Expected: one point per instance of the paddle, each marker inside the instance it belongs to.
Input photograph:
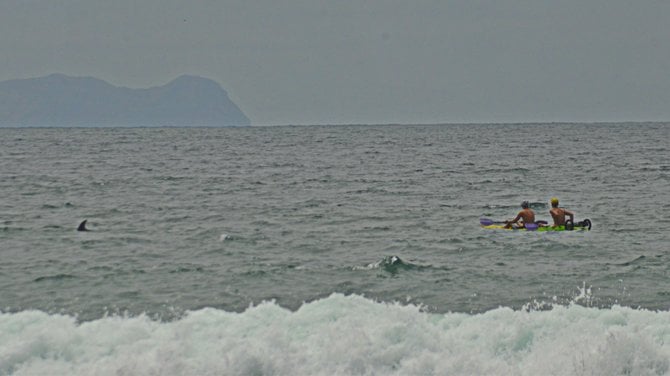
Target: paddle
(489, 222)
(528, 226)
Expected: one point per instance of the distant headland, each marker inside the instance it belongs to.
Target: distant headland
(60, 100)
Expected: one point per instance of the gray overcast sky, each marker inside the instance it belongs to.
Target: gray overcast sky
(374, 61)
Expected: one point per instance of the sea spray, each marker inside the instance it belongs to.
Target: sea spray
(341, 335)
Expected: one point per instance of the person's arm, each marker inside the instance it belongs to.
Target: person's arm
(571, 215)
(515, 220)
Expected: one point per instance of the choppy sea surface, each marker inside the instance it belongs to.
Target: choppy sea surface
(333, 250)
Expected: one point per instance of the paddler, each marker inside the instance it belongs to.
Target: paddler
(558, 214)
(526, 215)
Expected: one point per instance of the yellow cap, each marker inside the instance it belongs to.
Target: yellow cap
(554, 201)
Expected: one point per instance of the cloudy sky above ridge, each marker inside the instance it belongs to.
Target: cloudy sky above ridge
(375, 61)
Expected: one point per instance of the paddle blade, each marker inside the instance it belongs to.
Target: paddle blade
(485, 222)
(531, 226)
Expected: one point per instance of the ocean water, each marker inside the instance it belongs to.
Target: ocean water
(333, 250)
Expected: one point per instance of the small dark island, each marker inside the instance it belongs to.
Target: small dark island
(64, 101)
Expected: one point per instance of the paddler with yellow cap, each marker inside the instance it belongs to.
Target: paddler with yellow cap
(558, 214)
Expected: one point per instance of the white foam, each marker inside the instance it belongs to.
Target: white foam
(342, 335)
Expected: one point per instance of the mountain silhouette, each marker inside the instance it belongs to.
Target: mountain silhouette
(60, 100)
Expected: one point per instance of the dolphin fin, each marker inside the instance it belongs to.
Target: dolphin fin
(82, 226)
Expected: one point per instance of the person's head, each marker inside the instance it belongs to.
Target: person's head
(525, 205)
(554, 202)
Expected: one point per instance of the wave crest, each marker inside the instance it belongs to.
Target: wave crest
(341, 335)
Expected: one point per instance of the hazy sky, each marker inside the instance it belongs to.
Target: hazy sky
(374, 61)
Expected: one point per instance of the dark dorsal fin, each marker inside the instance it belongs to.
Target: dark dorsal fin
(82, 226)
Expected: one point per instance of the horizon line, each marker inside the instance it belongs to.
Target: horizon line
(472, 123)
(633, 122)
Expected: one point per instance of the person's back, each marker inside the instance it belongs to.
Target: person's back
(526, 215)
(559, 214)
